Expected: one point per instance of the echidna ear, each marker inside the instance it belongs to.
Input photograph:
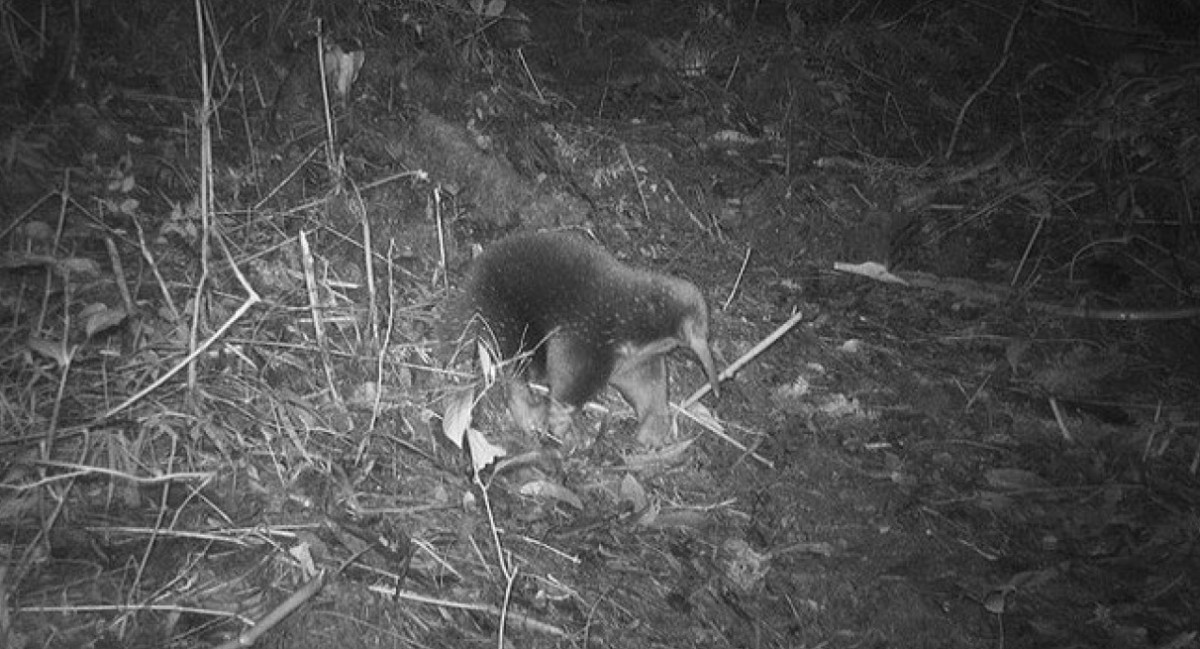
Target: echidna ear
(695, 336)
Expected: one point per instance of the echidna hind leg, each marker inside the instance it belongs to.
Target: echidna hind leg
(643, 383)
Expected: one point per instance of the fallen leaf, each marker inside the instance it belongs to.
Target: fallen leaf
(553, 490)
(1015, 479)
(631, 491)
(872, 270)
(456, 419)
(99, 318)
(483, 452)
(667, 455)
(53, 349)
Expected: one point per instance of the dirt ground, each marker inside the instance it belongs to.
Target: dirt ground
(235, 386)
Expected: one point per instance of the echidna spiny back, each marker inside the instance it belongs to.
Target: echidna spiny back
(588, 320)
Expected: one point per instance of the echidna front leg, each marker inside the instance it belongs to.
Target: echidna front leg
(643, 383)
(574, 372)
(527, 411)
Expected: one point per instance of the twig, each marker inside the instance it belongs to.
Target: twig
(738, 281)
(419, 174)
(79, 470)
(726, 438)
(487, 506)
(691, 214)
(1042, 218)
(148, 255)
(381, 353)
(508, 586)
(1060, 420)
(276, 616)
(549, 548)
(335, 167)
(39, 544)
(32, 208)
(524, 622)
(75, 609)
(529, 74)
(114, 258)
(360, 210)
(287, 179)
(250, 148)
(202, 119)
(441, 232)
(151, 544)
(737, 365)
(962, 112)
(314, 307)
(994, 294)
(64, 357)
(637, 181)
(252, 298)
(729, 372)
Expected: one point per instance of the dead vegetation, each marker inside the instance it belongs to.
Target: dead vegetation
(233, 406)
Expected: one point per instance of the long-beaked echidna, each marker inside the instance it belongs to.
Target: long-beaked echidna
(587, 320)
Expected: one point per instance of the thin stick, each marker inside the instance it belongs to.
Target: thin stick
(526, 623)
(148, 255)
(511, 579)
(79, 470)
(249, 134)
(202, 119)
(75, 609)
(728, 372)
(691, 214)
(1028, 248)
(368, 253)
(32, 208)
(725, 438)
(65, 357)
(738, 282)
(151, 544)
(487, 507)
(962, 112)
(335, 167)
(252, 298)
(529, 74)
(637, 181)
(288, 178)
(276, 616)
(314, 307)
(114, 258)
(1060, 420)
(737, 365)
(381, 354)
(441, 232)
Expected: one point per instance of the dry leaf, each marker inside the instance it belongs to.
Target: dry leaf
(303, 556)
(78, 266)
(631, 491)
(667, 455)
(483, 452)
(456, 418)
(547, 489)
(994, 602)
(1015, 479)
(100, 318)
(52, 349)
(495, 8)
(871, 270)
